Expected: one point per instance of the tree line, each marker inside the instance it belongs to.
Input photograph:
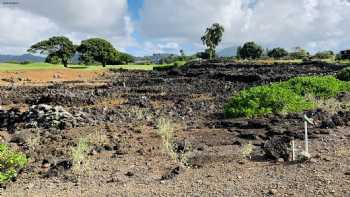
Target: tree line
(250, 50)
(61, 50)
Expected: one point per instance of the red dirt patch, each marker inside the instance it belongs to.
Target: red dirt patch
(44, 76)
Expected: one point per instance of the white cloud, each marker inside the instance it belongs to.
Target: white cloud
(20, 28)
(33, 20)
(163, 47)
(89, 16)
(315, 24)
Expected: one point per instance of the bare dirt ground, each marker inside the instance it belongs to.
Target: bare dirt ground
(31, 77)
(128, 158)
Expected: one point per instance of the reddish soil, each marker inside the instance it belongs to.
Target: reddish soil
(128, 158)
(45, 76)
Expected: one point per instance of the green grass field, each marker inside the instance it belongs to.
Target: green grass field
(41, 66)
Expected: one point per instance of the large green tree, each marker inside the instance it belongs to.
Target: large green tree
(324, 55)
(58, 47)
(97, 50)
(277, 53)
(250, 50)
(126, 58)
(299, 53)
(212, 37)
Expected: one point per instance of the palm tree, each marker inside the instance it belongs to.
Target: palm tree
(212, 38)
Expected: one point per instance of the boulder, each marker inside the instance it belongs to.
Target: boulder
(278, 147)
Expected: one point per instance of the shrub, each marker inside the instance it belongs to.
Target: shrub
(299, 53)
(250, 50)
(284, 97)
(79, 154)
(10, 163)
(264, 100)
(324, 55)
(344, 75)
(166, 132)
(277, 53)
(324, 87)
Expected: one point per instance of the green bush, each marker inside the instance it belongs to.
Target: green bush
(264, 100)
(324, 87)
(10, 163)
(344, 75)
(283, 97)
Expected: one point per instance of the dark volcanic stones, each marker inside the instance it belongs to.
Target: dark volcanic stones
(44, 116)
(278, 147)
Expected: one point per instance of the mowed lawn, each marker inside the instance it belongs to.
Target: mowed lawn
(41, 66)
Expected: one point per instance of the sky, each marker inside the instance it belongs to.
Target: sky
(144, 27)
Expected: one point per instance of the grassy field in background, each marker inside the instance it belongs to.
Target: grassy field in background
(40, 66)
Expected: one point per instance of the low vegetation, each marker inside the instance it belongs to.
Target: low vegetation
(344, 75)
(166, 132)
(284, 97)
(10, 163)
(246, 151)
(79, 154)
(250, 50)
(323, 87)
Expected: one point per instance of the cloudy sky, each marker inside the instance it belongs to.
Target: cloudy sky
(143, 27)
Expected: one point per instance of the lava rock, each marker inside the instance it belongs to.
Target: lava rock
(172, 173)
(59, 168)
(327, 124)
(248, 135)
(278, 147)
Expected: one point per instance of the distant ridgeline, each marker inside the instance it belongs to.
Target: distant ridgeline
(21, 58)
(345, 54)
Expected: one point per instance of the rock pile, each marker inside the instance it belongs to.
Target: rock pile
(8, 118)
(44, 116)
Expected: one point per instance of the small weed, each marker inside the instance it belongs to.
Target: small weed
(246, 151)
(166, 132)
(10, 163)
(34, 141)
(139, 114)
(98, 138)
(331, 105)
(79, 155)
(184, 155)
(342, 152)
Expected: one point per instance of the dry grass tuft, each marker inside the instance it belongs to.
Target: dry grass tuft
(166, 132)
(79, 155)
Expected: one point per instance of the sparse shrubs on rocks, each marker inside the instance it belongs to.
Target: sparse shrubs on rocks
(10, 163)
(344, 74)
(283, 97)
